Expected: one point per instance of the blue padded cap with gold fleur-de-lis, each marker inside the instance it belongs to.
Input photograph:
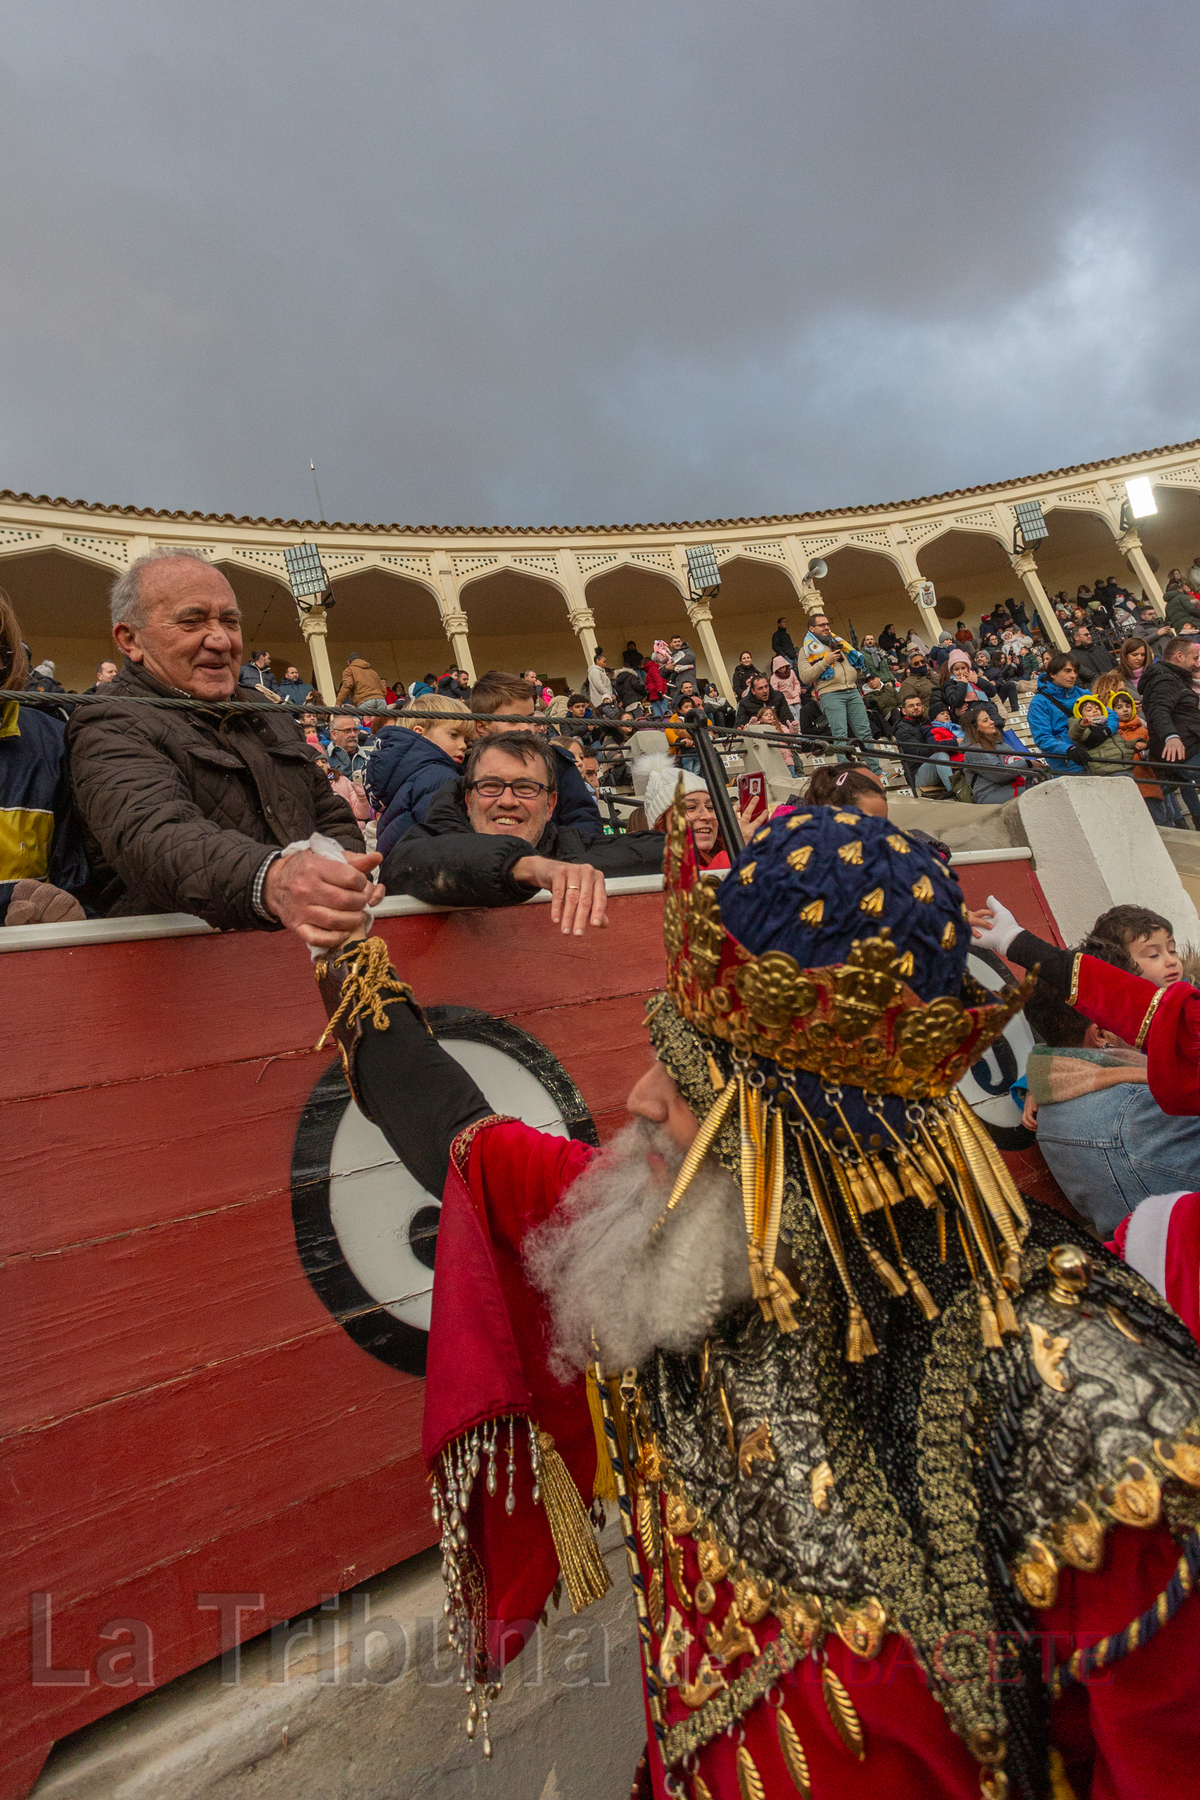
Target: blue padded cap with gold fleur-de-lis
(814, 880)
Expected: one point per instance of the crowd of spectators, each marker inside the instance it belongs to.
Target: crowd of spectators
(194, 810)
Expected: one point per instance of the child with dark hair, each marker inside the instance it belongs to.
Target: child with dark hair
(1145, 938)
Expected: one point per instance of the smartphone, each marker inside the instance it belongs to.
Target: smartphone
(752, 795)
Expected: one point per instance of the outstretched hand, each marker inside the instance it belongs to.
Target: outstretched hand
(993, 927)
(578, 897)
(322, 901)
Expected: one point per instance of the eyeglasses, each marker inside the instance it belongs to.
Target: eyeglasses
(491, 788)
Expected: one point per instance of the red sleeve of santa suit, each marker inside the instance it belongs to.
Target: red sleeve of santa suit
(1161, 1240)
(1134, 1724)
(1164, 1022)
(487, 1366)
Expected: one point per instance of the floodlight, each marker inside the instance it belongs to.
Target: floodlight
(305, 571)
(1140, 496)
(704, 577)
(1031, 523)
(818, 568)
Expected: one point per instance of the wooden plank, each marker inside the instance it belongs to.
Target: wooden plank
(93, 1162)
(132, 1311)
(170, 1004)
(155, 1473)
(328, 1539)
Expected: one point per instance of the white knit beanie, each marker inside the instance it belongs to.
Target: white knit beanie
(662, 779)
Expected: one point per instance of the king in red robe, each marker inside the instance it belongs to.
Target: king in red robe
(908, 1470)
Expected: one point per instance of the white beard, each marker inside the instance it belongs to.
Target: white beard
(606, 1277)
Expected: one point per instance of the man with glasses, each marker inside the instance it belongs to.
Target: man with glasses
(491, 838)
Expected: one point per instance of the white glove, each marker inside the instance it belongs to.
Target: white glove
(1000, 933)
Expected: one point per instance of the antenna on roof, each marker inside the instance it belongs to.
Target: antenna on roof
(320, 503)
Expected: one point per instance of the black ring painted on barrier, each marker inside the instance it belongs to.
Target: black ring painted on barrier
(360, 1315)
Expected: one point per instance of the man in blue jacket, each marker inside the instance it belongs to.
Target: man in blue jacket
(1051, 715)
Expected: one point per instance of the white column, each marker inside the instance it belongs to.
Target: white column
(583, 621)
(583, 624)
(1130, 546)
(700, 614)
(454, 619)
(919, 590)
(1024, 566)
(314, 625)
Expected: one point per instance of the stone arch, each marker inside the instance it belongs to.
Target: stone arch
(632, 600)
(392, 620)
(1081, 546)
(973, 565)
(517, 619)
(61, 601)
(865, 589)
(755, 593)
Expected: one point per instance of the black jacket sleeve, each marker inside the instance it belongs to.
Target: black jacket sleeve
(417, 1094)
(460, 868)
(1054, 966)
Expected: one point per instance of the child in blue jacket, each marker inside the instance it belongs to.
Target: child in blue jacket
(412, 762)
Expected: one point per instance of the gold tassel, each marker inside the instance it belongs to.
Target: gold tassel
(846, 1721)
(988, 1323)
(792, 1752)
(916, 1286)
(774, 1215)
(698, 1150)
(367, 988)
(985, 1183)
(859, 1342)
(892, 1280)
(1008, 1186)
(885, 1180)
(583, 1568)
(941, 1232)
(750, 1783)
(1006, 1313)
(605, 1485)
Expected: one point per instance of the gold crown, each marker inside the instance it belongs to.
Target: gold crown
(856, 1022)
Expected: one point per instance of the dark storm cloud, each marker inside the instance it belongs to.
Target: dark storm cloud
(537, 262)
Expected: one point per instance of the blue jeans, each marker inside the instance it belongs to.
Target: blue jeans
(848, 718)
(1110, 1149)
(936, 769)
(1188, 792)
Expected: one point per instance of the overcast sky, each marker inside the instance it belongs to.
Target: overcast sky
(554, 262)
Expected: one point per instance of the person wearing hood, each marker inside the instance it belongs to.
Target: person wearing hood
(1051, 714)
(656, 685)
(412, 762)
(785, 681)
(631, 657)
(1095, 731)
(360, 682)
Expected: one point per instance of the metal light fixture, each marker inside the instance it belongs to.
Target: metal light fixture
(1031, 526)
(307, 577)
(704, 577)
(1139, 502)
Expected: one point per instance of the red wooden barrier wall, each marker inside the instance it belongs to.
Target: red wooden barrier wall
(181, 1414)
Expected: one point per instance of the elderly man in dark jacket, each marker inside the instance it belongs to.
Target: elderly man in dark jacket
(490, 839)
(190, 809)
